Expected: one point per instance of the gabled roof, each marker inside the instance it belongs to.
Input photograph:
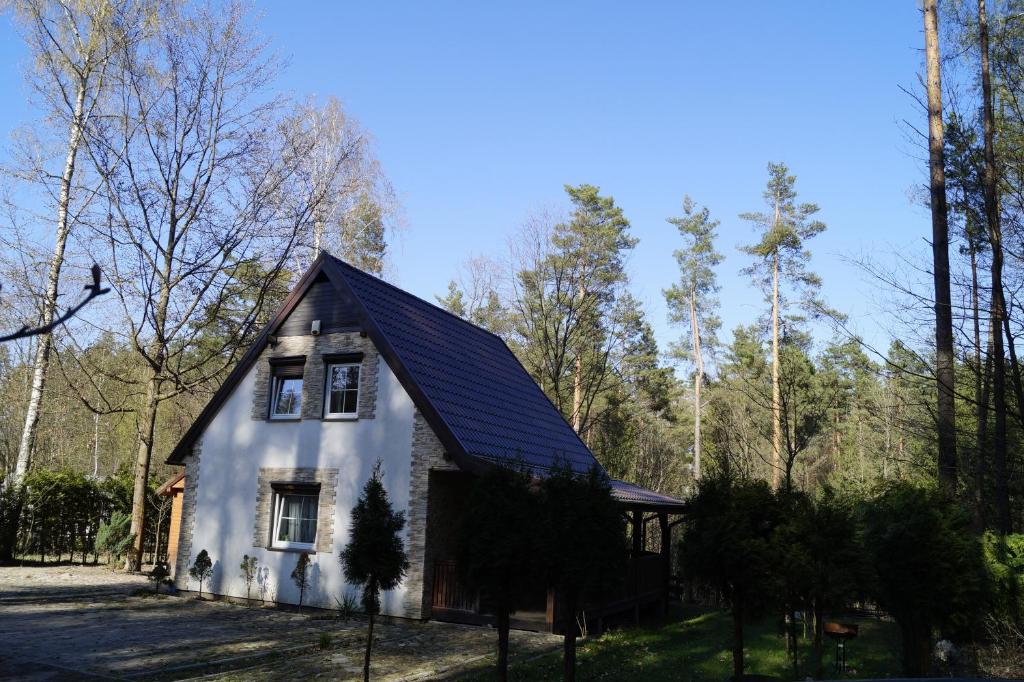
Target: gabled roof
(632, 495)
(471, 389)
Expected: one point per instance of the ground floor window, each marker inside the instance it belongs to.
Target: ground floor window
(295, 516)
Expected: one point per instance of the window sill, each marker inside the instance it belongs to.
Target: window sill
(341, 417)
(293, 550)
(296, 418)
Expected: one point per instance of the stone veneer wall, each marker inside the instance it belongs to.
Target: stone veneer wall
(328, 480)
(427, 454)
(313, 379)
(188, 516)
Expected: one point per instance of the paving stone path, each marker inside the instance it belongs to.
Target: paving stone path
(85, 623)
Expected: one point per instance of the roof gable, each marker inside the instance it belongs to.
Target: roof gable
(474, 393)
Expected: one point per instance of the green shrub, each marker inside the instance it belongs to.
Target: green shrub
(928, 566)
(729, 543)
(250, 569)
(115, 536)
(159, 574)
(1004, 559)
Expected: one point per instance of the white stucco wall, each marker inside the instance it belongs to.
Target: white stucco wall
(235, 446)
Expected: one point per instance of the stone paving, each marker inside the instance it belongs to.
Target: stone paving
(85, 623)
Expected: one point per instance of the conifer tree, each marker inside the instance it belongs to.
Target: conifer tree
(781, 260)
(498, 546)
(374, 557)
(692, 301)
(584, 545)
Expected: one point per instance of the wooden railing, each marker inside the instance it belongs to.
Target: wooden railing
(449, 594)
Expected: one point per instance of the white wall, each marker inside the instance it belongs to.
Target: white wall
(235, 446)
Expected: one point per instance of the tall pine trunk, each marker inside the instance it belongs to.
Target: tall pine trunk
(776, 391)
(944, 358)
(698, 383)
(998, 304)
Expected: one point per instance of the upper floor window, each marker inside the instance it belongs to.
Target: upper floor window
(341, 399)
(286, 391)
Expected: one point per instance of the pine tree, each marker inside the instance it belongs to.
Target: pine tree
(374, 557)
(781, 259)
(498, 546)
(692, 301)
(584, 545)
(944, 358)
(565, 301)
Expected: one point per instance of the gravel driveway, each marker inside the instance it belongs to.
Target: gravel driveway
(59, 623)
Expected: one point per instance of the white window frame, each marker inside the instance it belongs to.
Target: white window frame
(328, 378)
(274, 384)
(279, 497)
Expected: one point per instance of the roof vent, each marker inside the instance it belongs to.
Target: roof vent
(314, 328)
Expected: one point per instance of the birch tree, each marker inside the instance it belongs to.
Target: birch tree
(71, 45)
(780, 268)
(204, 196)
(692, 300)
(352, 220)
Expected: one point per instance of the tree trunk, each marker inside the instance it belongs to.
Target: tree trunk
(819, 636)
(940, 255)
(737, 642)
(698, 382)
(776, 392)
(369, 647)
(147, 428)
(917, 649)
(42, 358)
(998, 303)
(503, 627)
(569, 641)
(795, 651)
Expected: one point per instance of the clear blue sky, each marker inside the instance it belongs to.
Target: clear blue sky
(482, 111)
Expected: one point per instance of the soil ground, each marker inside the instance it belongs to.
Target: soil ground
(87, 623)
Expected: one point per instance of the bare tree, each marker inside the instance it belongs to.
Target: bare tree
(71, 45)
(204, 196)
(352, 221)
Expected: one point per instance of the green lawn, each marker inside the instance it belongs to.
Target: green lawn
(695, 645)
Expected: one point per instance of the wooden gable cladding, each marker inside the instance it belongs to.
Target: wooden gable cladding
(336, 311)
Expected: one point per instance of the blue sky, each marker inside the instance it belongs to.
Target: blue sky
(482, 112)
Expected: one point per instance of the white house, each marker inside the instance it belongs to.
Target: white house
(352, 370)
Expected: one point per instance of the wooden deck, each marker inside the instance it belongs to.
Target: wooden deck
(644, 585)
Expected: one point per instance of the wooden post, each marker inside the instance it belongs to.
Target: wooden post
(666, 556)
(638, 532)
(549, 615)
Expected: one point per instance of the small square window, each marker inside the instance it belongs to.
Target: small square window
(341, 398)
(295, 517)
(286, 392)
